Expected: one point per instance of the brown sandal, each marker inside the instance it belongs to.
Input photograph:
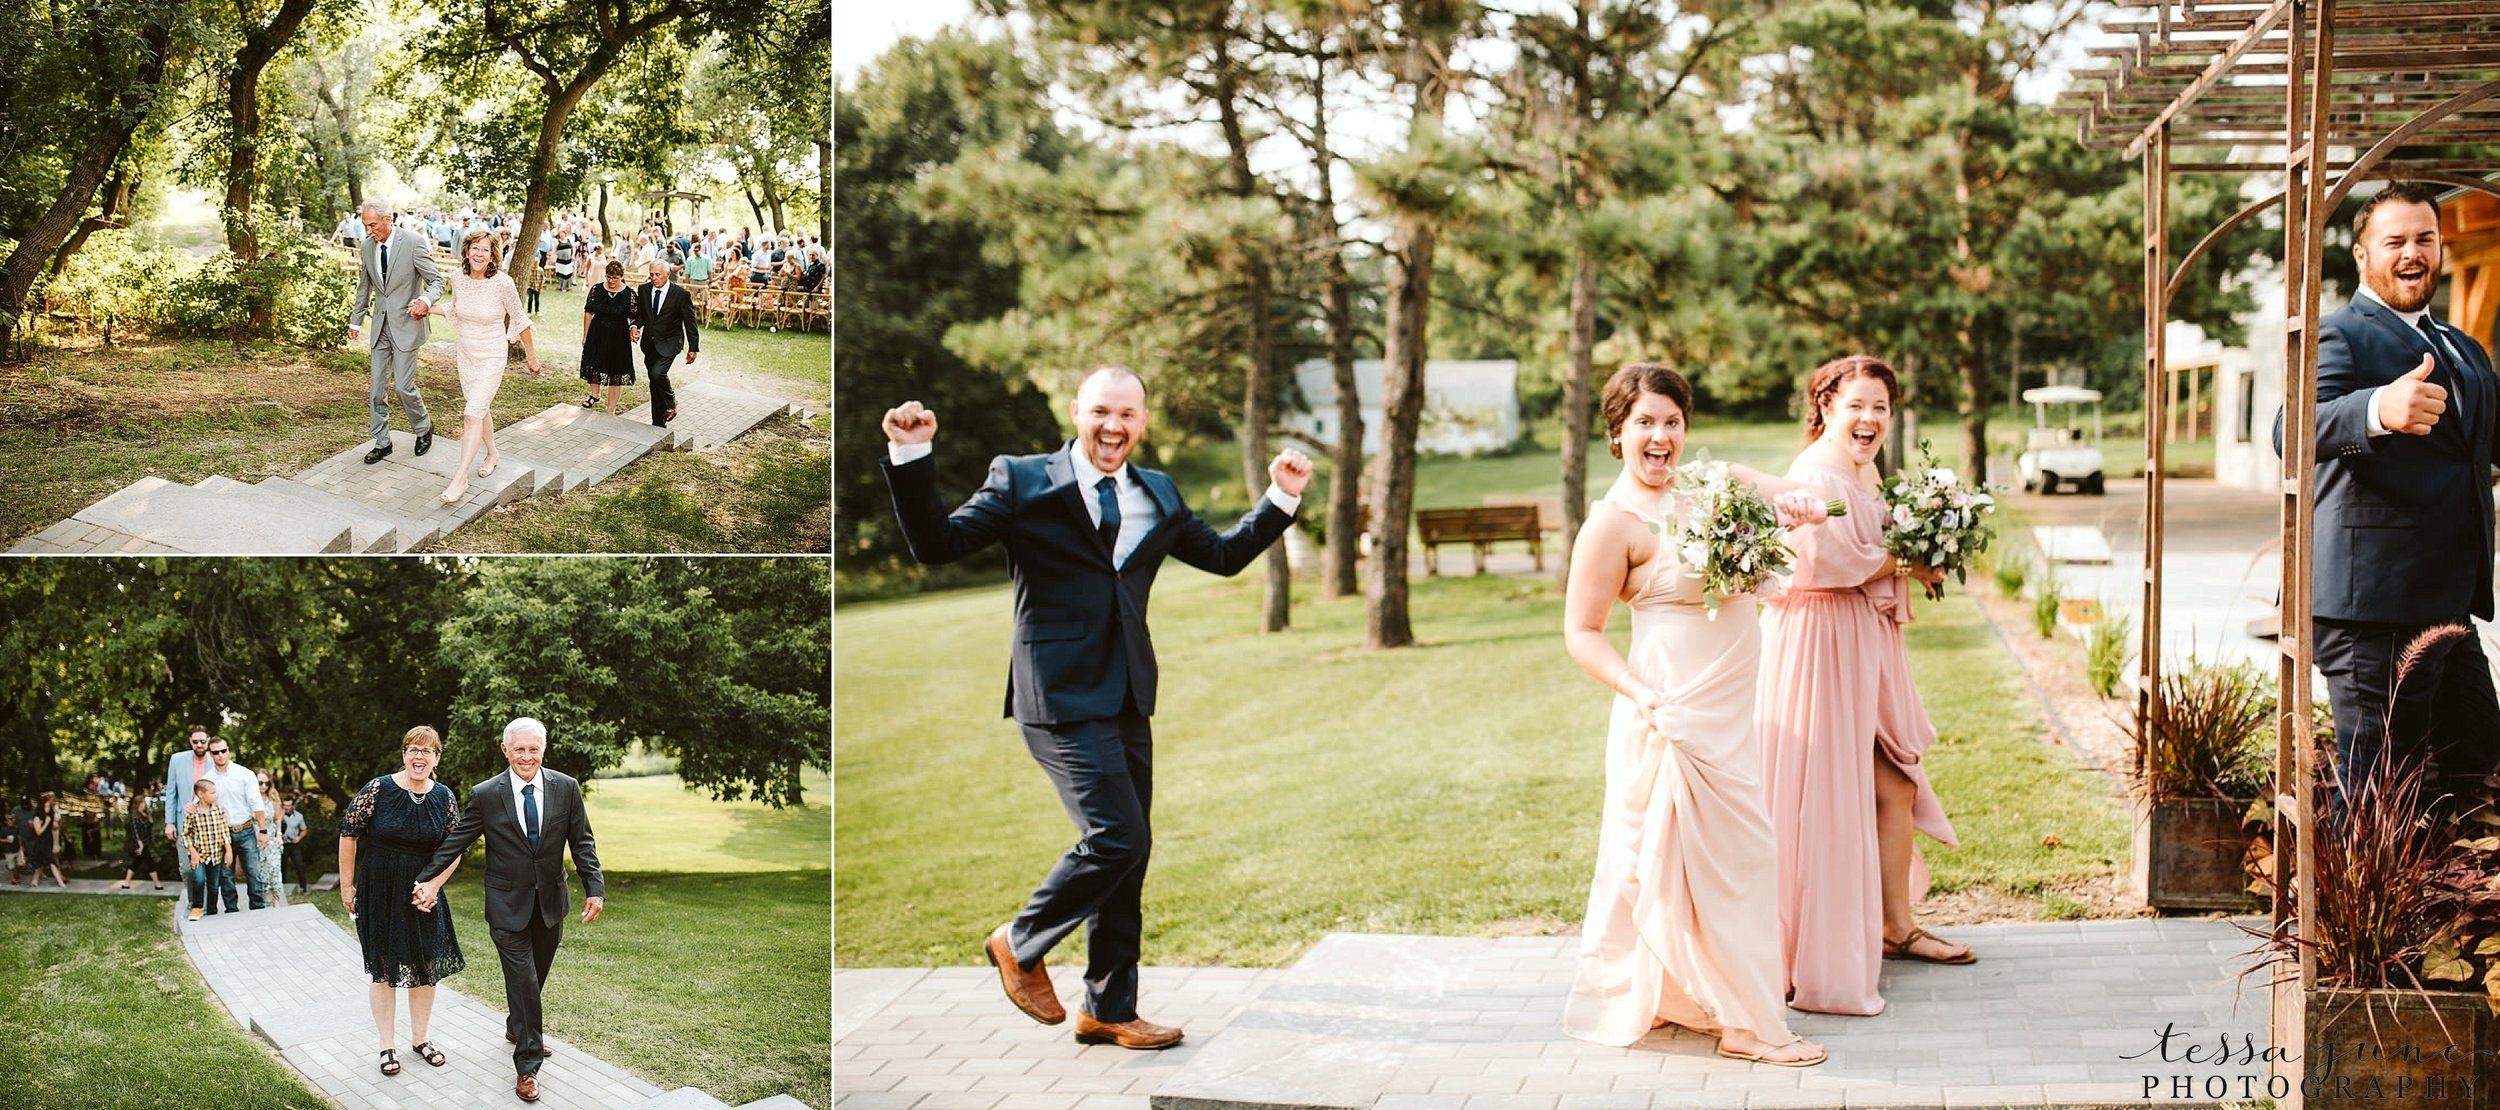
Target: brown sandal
(1902, 950)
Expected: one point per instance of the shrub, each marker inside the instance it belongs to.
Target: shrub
(2105, 656)
(2044, 603)
(2010, 573)
(2215, 741)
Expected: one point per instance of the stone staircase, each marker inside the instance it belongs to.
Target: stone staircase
(342, 505)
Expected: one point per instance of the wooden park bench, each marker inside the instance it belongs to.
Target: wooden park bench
(1479, 528)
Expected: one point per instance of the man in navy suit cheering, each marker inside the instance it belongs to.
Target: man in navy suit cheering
(2408, 412)
(1085, 534)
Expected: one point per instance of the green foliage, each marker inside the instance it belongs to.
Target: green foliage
(2044, 604)
(2105, 655)
(114, 287)
(2217, 739)
(907, 278)
(323, 664)
(2010, 572)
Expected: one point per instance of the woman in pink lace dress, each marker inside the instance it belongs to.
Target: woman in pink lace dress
(486, 308)
(1680, 926)
(1843, 733)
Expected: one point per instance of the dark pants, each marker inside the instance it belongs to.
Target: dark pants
(655, 370)
(291, 860)
(526, 955)
(206, 882)
(1104, 771)
(2443, 712)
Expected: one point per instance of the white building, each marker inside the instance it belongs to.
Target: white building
(1469, 406)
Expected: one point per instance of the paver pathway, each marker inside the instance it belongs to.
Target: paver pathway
(343, 504)
(296, 979)
(2046, 1018)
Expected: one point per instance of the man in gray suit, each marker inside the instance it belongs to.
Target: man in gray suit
(399, 283)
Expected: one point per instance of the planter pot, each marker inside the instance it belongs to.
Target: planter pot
(2188, 854)
(2388, 1048)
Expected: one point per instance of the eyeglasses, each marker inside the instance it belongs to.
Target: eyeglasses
(216, 751)
(412, 750)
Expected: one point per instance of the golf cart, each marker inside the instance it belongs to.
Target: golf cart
(2059, 454)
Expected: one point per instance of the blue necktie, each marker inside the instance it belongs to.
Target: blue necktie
(529, 813)
(1108, 495)
(2439, 356)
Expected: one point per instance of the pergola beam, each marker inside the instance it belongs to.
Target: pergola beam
(2213, 74)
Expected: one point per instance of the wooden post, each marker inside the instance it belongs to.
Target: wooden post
(2157, 385)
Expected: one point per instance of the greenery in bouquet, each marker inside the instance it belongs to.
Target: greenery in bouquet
(1937, 520)
(1730, 532)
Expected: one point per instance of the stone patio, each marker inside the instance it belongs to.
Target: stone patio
(2047, 1017)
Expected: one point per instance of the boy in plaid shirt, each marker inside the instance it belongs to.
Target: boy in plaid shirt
(210, 848)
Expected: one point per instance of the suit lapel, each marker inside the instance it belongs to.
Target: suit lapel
(2470, 395)
(1167, 498)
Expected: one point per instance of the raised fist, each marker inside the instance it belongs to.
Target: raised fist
(908, 423)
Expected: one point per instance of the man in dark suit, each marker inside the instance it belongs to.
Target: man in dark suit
(2408, 412)
(668, 327)
(1085, 534)
(528, 815)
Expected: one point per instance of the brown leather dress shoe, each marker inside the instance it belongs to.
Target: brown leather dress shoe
(526, 1087)
(1133, 1033)
(1029, 990)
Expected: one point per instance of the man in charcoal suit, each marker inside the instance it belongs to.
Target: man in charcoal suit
(528, 816)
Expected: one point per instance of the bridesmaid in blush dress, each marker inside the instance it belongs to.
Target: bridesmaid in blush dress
(483, 301)
(1843, 733)
(1680, 926)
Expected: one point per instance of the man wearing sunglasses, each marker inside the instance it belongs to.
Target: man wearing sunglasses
(238, 793)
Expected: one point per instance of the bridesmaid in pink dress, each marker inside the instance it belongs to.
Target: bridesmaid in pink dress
(1680, 926)
(483, 300)
(1842, 728)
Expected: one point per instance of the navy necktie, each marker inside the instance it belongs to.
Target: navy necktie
(529, 813)
(1107, 494)
(386, 258)
(2439, 356)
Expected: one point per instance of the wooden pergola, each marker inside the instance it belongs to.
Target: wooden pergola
(2328, 94)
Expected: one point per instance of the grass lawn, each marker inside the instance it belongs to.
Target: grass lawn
(1305, 785)
(718, 980)
(78, 422)
(653, 823)
(99, 1008)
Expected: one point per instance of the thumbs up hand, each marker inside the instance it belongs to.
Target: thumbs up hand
(2412, 404)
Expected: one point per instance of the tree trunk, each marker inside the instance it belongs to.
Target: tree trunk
(761, 227)
(1341, 563)
(1345, 463)
(1577, 381)
(1974, 367)
(118, 116)
(773, 198)
(605, 234)
(347, 138)
(243, 151)
(1260, 283)
(560, 105)
(824, 195)
(1401, 415)
(117, 193)
(1386, 625)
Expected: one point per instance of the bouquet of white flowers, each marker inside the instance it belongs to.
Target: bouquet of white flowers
(1731, 532)
(1937, 520)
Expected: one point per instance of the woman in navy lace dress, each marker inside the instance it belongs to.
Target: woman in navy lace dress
(392, 829)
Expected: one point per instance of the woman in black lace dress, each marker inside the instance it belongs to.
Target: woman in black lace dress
(395, 824)
(610, 312)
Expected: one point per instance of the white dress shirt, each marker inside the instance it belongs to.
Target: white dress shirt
(238, 792)
(517, 814)
(2412, 320)
(1138, 511)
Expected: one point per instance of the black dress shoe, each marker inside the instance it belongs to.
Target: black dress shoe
(375, 455)
(425, 442)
